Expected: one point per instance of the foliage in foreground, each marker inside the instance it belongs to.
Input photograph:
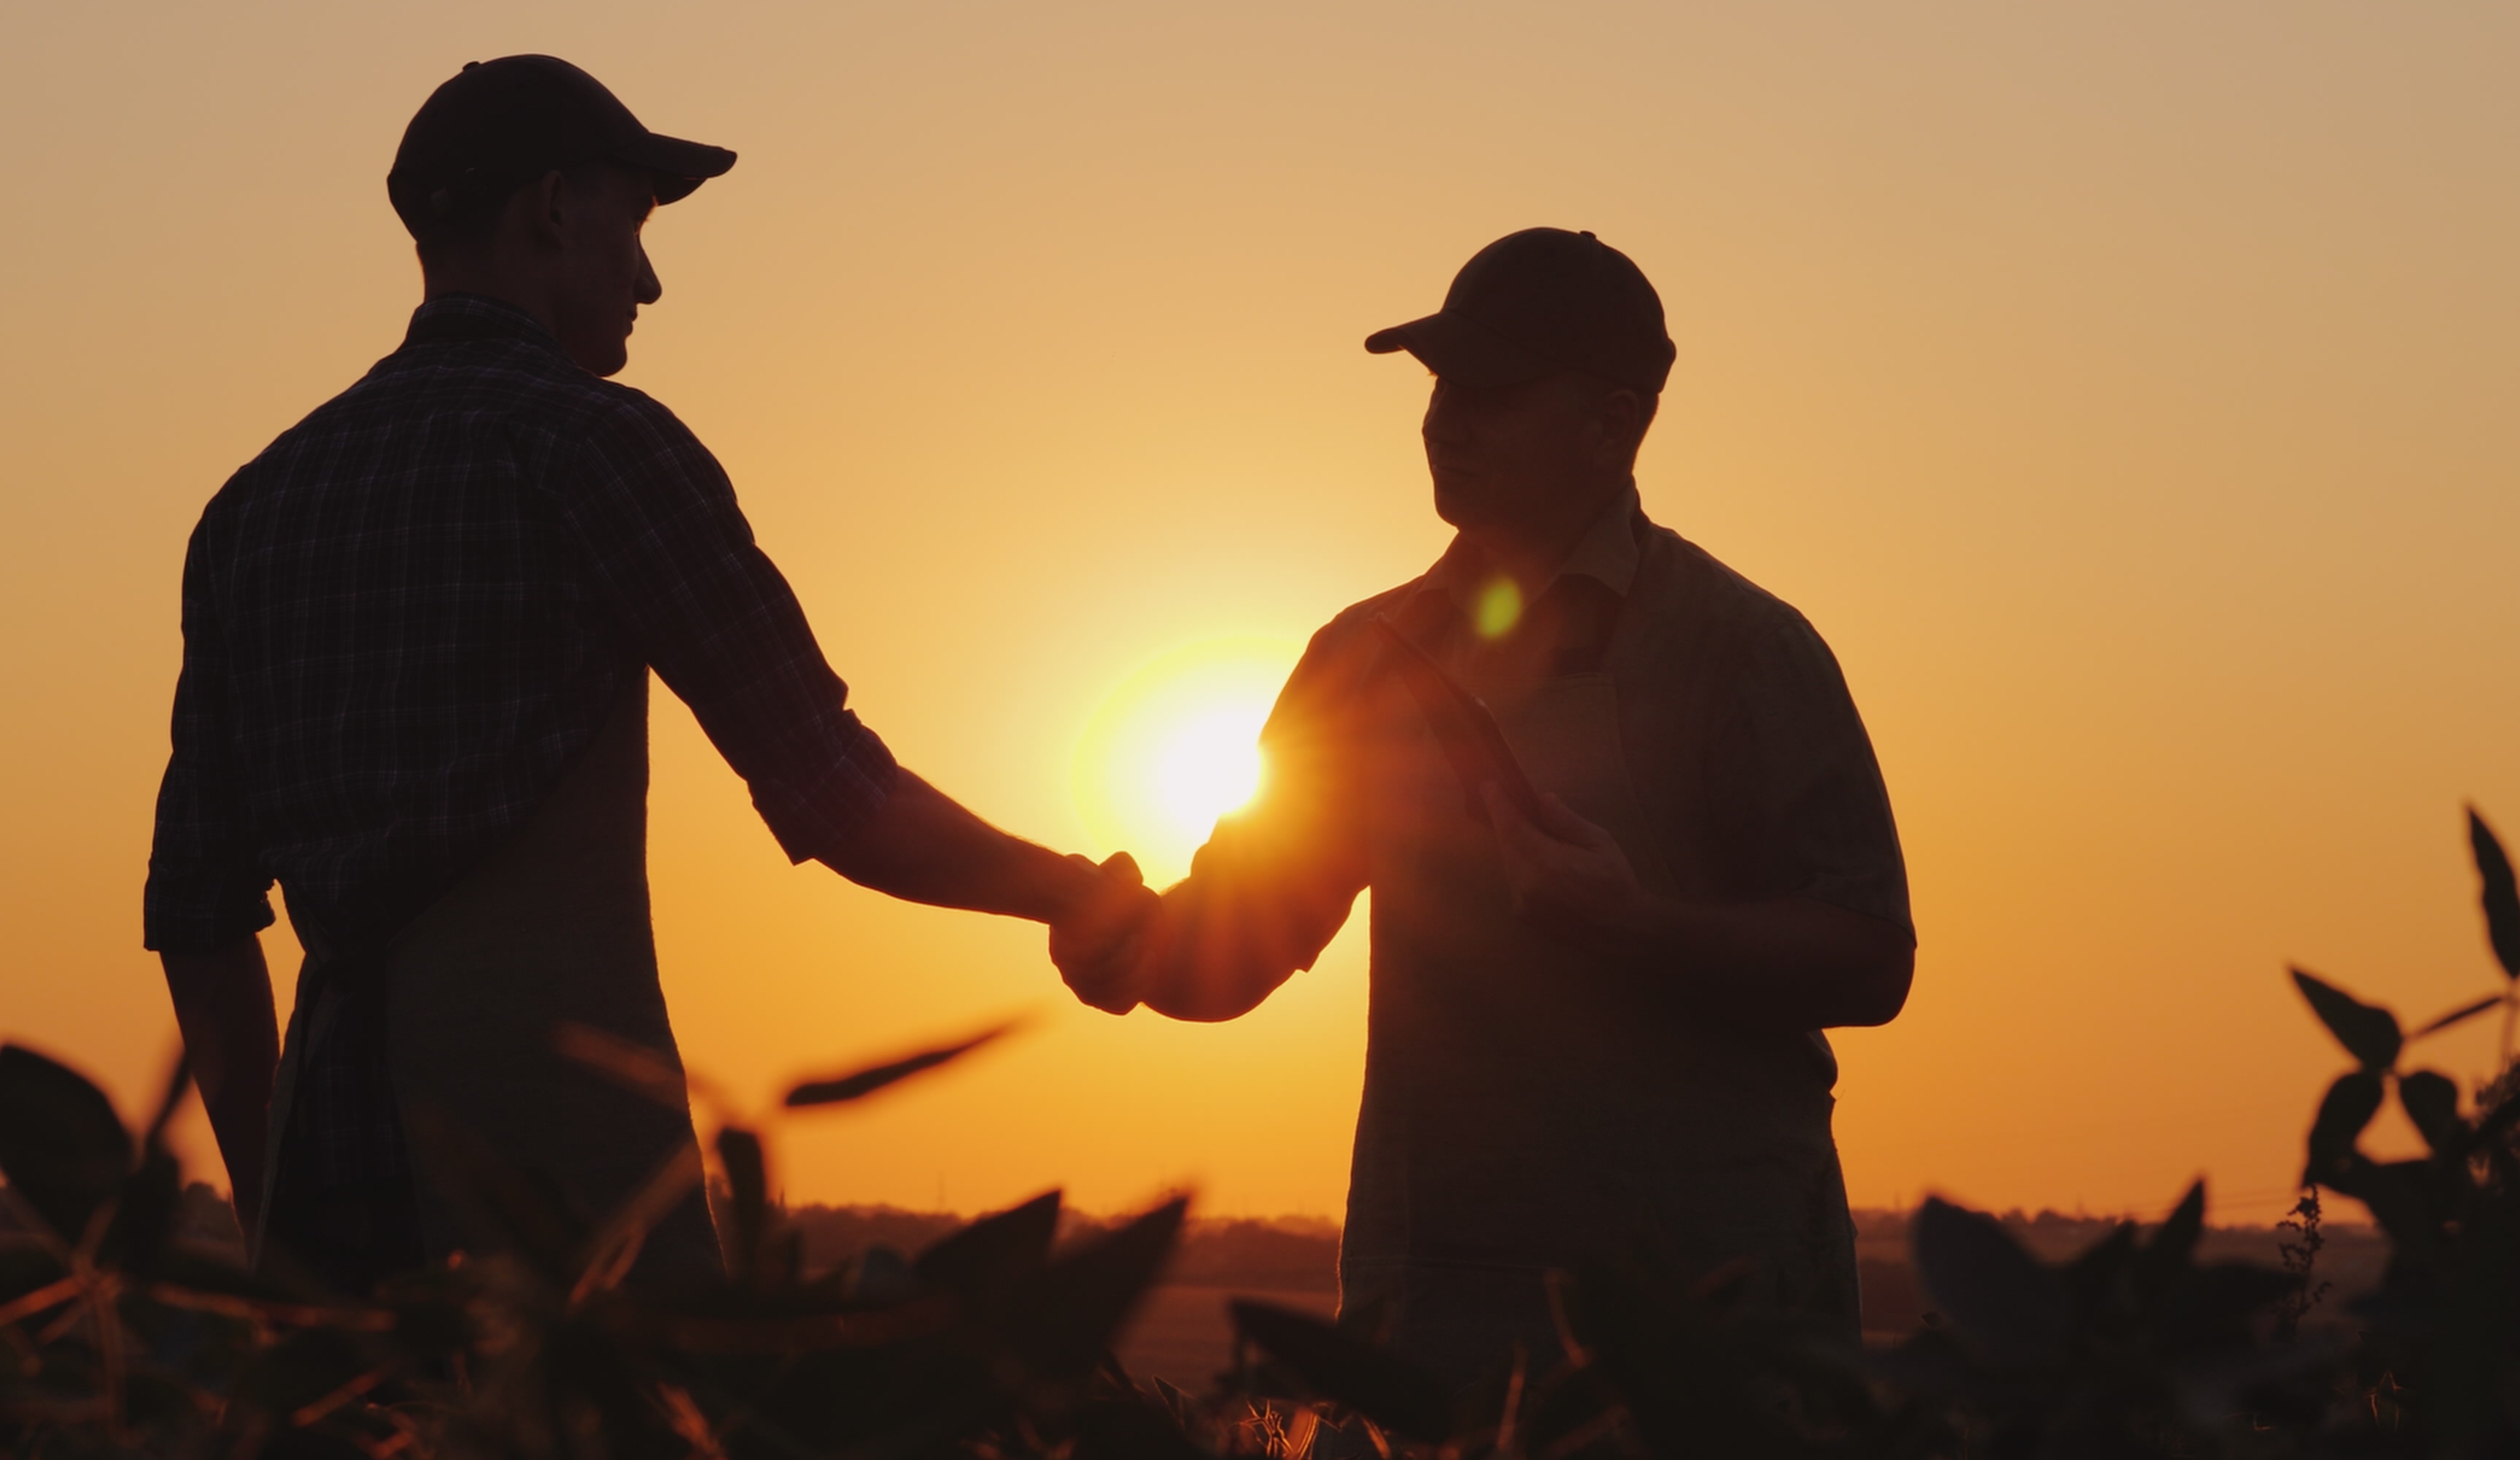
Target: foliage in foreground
(120, 1337)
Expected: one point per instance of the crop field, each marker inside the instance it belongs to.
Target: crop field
(1034, 1332)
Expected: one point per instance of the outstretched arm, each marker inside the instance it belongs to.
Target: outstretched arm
(1785, 965)
(923, 846)
(1257, 908)
(223, 1005)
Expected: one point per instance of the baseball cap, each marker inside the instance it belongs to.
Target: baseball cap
(496, 124)
(1537, 302)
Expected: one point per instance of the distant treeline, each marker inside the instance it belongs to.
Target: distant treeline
(1272, 1255)
(1300, 1255)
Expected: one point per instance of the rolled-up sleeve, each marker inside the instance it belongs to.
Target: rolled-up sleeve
(208, 886)
(674, 561)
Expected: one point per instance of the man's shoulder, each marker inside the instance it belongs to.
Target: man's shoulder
(1339, 653)
(522, 381)
(1686, 592)
(1351, 621)
(538, 404)
(1706, 636)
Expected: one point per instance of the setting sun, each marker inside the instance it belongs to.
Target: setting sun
(1175, 746)
(1211, 765)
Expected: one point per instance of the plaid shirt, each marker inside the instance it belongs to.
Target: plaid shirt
(407, 617)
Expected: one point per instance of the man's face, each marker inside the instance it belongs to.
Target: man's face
(603, 274)
(1509, 458)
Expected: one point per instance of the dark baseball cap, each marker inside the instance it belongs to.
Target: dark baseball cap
(497, 125)
(1537, 302)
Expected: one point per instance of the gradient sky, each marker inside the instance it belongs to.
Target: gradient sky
(2124, 391)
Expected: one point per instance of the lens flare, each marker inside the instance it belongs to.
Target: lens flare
(1499, 607)
(1175, 746)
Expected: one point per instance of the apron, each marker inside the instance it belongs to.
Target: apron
(1529, 1105)
(551, 927)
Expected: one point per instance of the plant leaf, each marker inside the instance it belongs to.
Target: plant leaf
(2397, 1192)
(616, 1244)
(497, 1202)
(865, 1083)
(2349, 1106)
(2431, 1101)
(2177, 1239)
(1987, 1284)
(2174, 1244)
(1061, 1322)
(636, 1067)
(62, 1146)
(2096, 1273)
(2501, 897)
(994, 1252)
(2459, 1015)
(143, 1214)
(2369, 1034)
(748, 1182)
(2491, 1125)
(1381, 1386)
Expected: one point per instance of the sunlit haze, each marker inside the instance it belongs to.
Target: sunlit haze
(2125, 391)
(1175, 746)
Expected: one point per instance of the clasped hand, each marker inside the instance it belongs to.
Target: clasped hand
(1098, 945)
(1566, 874)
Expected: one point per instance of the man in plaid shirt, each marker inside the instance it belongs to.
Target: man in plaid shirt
(416, 634)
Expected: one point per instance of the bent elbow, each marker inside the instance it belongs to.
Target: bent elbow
(1213, 1000)
(1881, 990)
(1204, 1010)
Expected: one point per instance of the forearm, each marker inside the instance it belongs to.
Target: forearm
(922, 847)
(1200, 971)
(223, 1005)
(1785, 966)
(1226, 937)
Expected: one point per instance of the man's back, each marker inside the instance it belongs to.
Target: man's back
(409, 616)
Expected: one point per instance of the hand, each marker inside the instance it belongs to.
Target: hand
(1098, 943)
(1566, 873)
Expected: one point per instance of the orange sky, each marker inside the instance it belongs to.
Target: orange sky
(2126, 394)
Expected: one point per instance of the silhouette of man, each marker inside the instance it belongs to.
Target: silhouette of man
(1593, 1024)
(418, 631)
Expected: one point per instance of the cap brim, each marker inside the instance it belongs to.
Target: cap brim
(679, 166)
(1463, 351)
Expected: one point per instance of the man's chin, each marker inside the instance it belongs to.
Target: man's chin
(1457, 507)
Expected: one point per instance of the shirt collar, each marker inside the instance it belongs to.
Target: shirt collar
(447, 318)
(1606, 552)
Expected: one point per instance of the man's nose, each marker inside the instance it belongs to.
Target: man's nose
(651, 288)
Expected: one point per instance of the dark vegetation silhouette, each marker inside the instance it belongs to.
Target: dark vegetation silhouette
(124, 1332)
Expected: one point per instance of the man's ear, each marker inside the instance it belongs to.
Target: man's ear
(546, 204)
(1624, 417)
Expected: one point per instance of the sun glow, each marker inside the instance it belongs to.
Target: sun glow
(1210, 766)
(1175, 746)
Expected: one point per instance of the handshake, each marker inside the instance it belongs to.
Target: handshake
(1100, 940)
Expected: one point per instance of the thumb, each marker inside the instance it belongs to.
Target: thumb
(1510, 825)
(1122, 865)
(1561, 821)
